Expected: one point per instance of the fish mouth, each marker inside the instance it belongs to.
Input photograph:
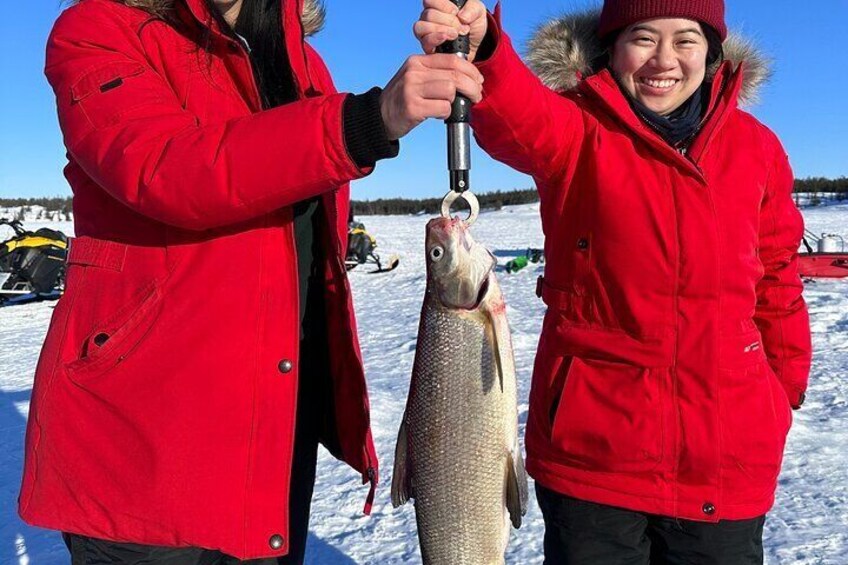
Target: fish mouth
(447, 296)
(481, 294)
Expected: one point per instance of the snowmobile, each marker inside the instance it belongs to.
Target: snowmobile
(360, 250)
(829, 260)
(32, 264)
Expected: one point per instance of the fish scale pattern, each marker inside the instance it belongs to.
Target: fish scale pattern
(457, 430)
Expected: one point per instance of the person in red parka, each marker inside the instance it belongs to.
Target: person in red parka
(206, 340)
(676, 339)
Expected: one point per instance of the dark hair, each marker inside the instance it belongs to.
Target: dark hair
(260, 23)
(715, 51)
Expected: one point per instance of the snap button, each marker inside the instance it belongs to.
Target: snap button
(708, 508)
(101, 339)
(276, 541)
(582, 243)
(285, 366)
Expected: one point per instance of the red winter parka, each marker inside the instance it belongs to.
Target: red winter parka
(164, 400)
(676, 338)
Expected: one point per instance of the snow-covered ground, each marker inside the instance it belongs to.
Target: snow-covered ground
(809, 524)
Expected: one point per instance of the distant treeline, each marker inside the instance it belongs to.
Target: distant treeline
(834, 188)
(401, 206)
(52, 204)
(50, 209)
(820, 184)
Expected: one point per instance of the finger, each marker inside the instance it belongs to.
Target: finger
(448, 62)
(434, 86)
(437, 17)
(422, 28)
(438, 90)
(464, 68)
(436, 109)
(472, 89)
(472, 12)
(432, 42)
(445, 6)
(437, 75)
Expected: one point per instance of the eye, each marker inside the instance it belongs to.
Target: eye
(436, 253)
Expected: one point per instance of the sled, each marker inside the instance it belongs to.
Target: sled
(374, 259)
(829, 260)
(823, 265)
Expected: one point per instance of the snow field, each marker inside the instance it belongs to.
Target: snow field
(808, 526)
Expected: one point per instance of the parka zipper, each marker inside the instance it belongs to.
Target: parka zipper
(244, 49)
(370, 473)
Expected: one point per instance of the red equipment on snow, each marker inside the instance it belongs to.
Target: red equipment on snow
(830, 260)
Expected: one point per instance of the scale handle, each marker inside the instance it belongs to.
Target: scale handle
(459, 132)
(461, 46)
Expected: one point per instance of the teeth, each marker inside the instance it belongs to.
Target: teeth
(659, 83)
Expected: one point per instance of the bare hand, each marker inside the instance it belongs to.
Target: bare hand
(442, 21)
(424, 87)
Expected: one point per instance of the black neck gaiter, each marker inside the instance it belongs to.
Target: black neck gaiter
(680, 126)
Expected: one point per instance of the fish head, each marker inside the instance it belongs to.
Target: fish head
(458, 267)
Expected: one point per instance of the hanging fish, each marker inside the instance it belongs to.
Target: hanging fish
(457, 451)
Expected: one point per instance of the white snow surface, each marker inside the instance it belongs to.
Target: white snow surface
(808, 525)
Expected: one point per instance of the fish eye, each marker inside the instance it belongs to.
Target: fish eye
(436, 253)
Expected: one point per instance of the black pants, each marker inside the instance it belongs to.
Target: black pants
(584, 533)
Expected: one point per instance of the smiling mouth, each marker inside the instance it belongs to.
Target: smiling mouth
(663, 84)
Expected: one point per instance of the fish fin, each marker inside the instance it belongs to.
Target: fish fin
(516, 487)
(400, 480)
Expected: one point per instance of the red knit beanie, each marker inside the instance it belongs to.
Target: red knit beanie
(618, 14)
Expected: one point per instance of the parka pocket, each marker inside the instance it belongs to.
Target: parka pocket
(113, 340)
(755, 418)
(609, 416)
(98, 93)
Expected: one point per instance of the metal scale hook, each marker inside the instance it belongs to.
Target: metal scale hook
(459, 138)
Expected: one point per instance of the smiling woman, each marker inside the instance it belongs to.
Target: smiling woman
(676, 340)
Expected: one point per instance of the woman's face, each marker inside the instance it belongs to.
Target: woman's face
(661, 62)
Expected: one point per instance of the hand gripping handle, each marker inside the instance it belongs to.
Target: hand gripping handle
(459, 134)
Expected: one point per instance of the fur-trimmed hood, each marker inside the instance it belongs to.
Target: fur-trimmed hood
(562, 50)
(313, 15)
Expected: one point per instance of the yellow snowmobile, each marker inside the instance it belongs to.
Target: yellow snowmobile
(32, 264)
(360, 250)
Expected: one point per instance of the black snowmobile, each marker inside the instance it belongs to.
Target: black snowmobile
(360, 250)
(32, 264)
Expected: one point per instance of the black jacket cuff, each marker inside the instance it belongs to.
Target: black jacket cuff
(364, 131)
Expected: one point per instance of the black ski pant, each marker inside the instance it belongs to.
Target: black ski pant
(578, 532)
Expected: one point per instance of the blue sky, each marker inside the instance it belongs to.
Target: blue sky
(366, 40)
